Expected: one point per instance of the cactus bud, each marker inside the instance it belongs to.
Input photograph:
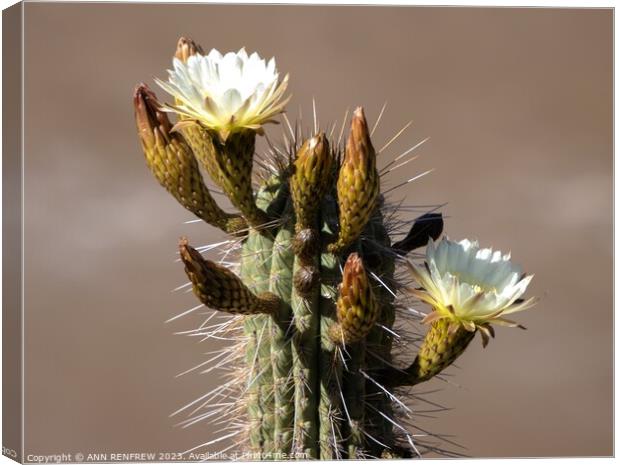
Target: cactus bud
(233, 164)
(444, 342)
(171, 161)
(429, 225)
(153, 124)
(196, 136)
(358, 183)
(219, 288)
(311, 179)
(357, 309)
(186, 48)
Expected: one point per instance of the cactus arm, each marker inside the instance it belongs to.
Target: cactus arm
(281, 281)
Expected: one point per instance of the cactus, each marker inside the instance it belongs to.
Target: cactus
(311, 307)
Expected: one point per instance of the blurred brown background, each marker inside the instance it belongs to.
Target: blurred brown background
(518, 105)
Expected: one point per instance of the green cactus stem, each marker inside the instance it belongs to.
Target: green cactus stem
(311, 309)
(312, 335)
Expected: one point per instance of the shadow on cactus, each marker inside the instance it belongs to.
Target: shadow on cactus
(325, 341)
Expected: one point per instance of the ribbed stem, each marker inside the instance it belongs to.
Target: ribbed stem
(380, 260)
(330, 411)
(256, 268)
(330, 402)
(355, 394)
(298, 407)
(305, 369)
(280, 283)
(256, 258)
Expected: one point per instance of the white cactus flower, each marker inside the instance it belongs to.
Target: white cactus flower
(226, 93)
(471, 286)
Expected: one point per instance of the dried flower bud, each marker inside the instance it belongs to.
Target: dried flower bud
(219, 288)
(186, 48)
(171, 161)
(153, 124)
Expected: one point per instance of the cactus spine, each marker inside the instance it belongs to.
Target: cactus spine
(313, 304)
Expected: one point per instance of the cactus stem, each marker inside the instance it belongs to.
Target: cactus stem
(305, 369)
(355, 392)
(280, 334)
(256, 269)
(331, 366)
(330, 380)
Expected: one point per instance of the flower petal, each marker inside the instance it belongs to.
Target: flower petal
(469, 284)
(226, 92)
